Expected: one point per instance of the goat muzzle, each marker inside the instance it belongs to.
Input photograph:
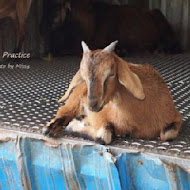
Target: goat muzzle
(95, 106)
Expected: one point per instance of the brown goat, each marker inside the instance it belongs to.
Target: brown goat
(18, 11)
(97, 22)
(111, 96)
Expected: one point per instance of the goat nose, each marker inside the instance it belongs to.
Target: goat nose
(93, 105)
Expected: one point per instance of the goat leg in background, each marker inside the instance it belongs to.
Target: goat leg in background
(22, 11)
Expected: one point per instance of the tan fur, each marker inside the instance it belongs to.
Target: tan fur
(135, 99)
(75, 81)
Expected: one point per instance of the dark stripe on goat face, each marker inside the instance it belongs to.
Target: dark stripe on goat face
(91, 88)
(94, 95)
(94, 82)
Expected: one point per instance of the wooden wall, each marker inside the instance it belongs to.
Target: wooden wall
(178, 14)
(176, 11)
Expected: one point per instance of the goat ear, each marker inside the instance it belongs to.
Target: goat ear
(77, 79)
(130, 80)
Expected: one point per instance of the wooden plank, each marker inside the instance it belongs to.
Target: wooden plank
(178, 14)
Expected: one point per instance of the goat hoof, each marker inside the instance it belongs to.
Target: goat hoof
(104, 135)
(53, 127)
(100, 141)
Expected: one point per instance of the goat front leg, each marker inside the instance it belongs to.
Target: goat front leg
(94, 127)
(65, 113)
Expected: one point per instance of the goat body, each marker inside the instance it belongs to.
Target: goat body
(110, 96)
(137, 29)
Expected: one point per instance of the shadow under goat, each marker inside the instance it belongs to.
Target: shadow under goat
(109, 96)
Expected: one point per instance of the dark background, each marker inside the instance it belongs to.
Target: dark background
(176, 11)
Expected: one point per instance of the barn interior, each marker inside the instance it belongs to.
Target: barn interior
(52, 35)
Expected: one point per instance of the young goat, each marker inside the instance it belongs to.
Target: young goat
(111, 96)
